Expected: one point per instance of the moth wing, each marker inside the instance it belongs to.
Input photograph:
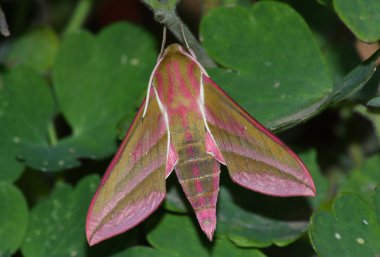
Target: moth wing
(255, 158)
(134, 183)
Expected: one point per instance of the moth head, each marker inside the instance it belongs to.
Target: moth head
(176, 49)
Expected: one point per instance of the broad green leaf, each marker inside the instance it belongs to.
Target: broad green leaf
(57, 224)
(36, 49)
(361, 17)
(350, 84)
(95, 85)
(340, 53)
(99, 79)
(13, 218)
(363, 180)
(321, 183)
(5, 254)
(276, 66)
(350, 230)
(26, 107)
(177, 235)
(247, 229)
(224, 248)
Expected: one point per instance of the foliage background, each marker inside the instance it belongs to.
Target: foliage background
(74, 72)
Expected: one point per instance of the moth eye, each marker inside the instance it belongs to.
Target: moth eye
(159, 17)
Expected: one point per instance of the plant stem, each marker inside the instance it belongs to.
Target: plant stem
(165, 13)
(51, 134)
(80, 14)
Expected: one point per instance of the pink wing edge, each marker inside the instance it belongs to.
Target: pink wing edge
(160, 197)
(255, 123)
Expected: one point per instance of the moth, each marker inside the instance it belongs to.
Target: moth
(187, 123)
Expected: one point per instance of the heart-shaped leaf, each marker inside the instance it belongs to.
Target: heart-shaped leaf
(56, 226)
(36, 49)
(247, 229)
(187, 241)
(277, 68)
(98, 80)
(95, 85)
(351, 230)
(362, 17)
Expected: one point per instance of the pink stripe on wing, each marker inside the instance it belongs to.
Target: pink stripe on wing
(129, 187)
(251, 154)
(270, 184)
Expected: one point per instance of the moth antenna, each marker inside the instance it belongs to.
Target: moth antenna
(163, 43)
(151, 76)
(186, 43)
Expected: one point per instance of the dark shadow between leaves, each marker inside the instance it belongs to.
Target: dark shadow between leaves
(62, 127)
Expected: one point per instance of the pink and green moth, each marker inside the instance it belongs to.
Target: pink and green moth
(187, 123)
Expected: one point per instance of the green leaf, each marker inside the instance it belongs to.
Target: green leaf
(96, 84)
(363, 180)
(5, 254)
(208, 5)
(356, 79)
(177, 235)
(224, 248)
(374, 102)
(361, 17)
(321, 183)
(13, 218)
(277, 68)
(26, 107)
(350, 84)
(247, 229)
(57, 224)
(350, 230)
(36, 49)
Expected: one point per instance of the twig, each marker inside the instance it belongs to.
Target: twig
(3, 24)
(165, 13)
